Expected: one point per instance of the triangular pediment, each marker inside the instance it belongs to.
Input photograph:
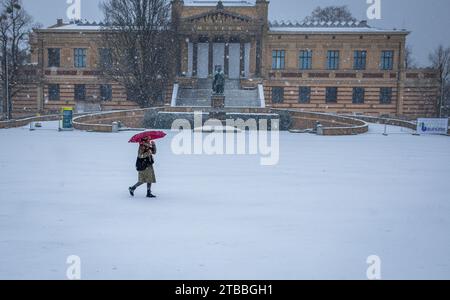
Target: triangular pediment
(219, 16)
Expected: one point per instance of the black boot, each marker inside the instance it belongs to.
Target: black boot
(149, 191)
(131, 189)
(150, 195)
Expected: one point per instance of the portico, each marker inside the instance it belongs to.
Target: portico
(205, 54)
(219, 37)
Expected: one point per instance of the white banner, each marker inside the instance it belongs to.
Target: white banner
(432, 126)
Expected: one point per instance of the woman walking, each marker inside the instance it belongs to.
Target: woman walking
(144, 166)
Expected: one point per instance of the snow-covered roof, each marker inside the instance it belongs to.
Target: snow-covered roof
(79, 25)
(214, 3)
(275, 27)
(328, 27)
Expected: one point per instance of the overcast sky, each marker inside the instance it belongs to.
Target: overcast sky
(429, 21)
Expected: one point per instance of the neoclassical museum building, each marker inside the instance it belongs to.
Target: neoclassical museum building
(342, 67)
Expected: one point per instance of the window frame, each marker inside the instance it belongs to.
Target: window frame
(358, 95)
(101, 56)
(327, 94)
(50, 61)
(333, 59)
(360, 60)
(80, 59)
(76, 92)
(277, 94)
(51, 95)
(387, 61)
(305, 59)
(278, 59)
(383, 95)
(109, 94)
(301, 94)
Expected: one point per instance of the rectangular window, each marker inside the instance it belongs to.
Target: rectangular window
(387, 60)
(331, 94)
(358, 95)
(80, 57)
(385, 95)
(333, 60)
(278, 59)
(360, 60)
(304, 94)
(106, 92)
(105, 57)
(54, 57)
(53, 92)
(305, 60)
(277, 95)
(80, 92)
(131, 94)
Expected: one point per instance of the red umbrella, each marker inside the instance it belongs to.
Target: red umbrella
(152, 135)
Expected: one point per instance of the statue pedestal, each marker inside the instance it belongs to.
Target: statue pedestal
(218, 101)
(218, 105)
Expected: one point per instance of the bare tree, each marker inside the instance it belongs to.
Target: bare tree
(15, 26)
(446, 109)
(331, 14)
(139, 38)
(409, 59)
(440, 60)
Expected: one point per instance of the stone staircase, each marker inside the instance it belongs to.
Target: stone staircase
(201, 96)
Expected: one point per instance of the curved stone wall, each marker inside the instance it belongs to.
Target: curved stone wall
(331, 124)
(26, 121)
(102, 122)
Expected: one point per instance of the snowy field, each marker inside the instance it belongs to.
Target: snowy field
(329, 204)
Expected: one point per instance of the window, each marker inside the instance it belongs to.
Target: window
(131, 93)
(387, 60)
(80, 92)
(53, 92)
(105, 57)
(54, 57)
(277, 95)
(331, 94)
(278, 57)
(385, 95)
(106, 92)
(333, 60)
(358, 95)
(80, 57)
(305, 59)
(360, 60)
(304, 94)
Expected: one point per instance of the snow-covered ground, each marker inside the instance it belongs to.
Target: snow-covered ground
(329, 204)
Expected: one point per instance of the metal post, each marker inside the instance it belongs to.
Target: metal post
(441, 104)
(385, 130)
(8, 116)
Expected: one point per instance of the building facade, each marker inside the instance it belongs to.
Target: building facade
(343, 67)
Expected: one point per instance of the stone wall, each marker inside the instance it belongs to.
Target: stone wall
(26, 121)
(411, 98)
(162, 118)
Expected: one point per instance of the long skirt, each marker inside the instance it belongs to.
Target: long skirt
(147, 176)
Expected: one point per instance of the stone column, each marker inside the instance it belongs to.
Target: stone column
(242, 58)
(258, 56)
(179, 54)
(210, 58)
(194, 58)
(227, 58)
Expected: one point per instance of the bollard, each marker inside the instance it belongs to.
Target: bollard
(385, 130)
(115, 127)
(319, 129)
